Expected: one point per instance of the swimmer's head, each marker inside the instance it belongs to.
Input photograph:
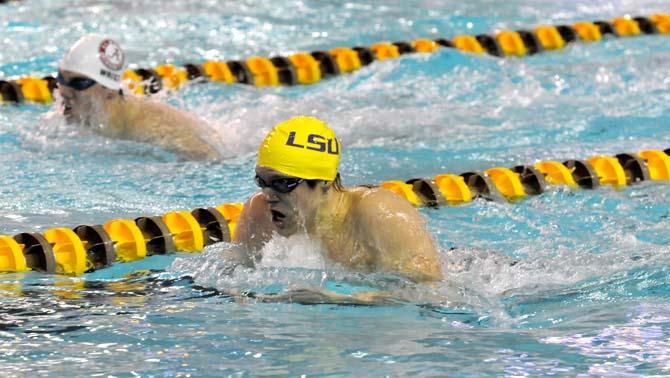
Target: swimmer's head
(98, 58)
(303, 147)
(89, 74)
(297, 165)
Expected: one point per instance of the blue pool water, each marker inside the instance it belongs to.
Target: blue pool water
(589, 296)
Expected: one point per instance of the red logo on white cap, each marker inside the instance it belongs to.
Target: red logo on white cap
(111, 55)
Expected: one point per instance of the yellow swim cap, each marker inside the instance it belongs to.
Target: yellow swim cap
(302, 147)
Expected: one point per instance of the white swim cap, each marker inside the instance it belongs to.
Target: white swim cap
(99, 58)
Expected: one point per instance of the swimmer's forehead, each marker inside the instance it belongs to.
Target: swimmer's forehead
(269, 172)
(69, 74)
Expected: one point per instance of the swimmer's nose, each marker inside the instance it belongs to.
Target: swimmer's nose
(270, 195)
(67, 96)
(66, 92)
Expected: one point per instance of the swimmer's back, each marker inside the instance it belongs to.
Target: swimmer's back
(395, 232)
(167, 127)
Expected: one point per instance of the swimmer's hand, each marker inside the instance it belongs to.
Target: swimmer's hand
(321, 296)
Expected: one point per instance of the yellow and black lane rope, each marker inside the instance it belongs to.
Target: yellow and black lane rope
(515, 183)
(74, 251)
(310, 67)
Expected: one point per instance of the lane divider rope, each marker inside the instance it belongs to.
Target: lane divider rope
(305, 68)
(85, 248)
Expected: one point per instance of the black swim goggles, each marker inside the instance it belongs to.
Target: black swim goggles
(76, 83)
(280, 185)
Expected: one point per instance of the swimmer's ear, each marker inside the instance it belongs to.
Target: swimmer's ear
(110, 95)
(336, 184)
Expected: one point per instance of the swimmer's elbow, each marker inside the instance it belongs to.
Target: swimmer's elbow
(431, 272)
(413, 265)
(209, 154)
(200, 152)
(432, 275)
(427, 262)
(420, 261)
(238, 256)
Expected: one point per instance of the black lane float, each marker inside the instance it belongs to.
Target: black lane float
(74, 251)
(310, 67)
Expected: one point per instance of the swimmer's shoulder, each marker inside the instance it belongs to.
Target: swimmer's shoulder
(369, 203)
(159, 123)
(254, 221)
(392, 228)
(375, 197)
(156, 116)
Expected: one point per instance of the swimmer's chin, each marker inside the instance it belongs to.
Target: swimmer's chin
(283, 229)
(278, 218)
(70, 117)
(284, 225)
(67, 114)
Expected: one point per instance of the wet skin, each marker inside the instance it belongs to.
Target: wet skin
(77, 104)
(364, 229)
(128, 117)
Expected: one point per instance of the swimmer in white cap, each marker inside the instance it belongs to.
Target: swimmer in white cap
(89, 81)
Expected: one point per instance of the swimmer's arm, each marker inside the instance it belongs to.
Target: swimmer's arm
(398, 236)
(323, 296)
(254, 226)
(170, 128)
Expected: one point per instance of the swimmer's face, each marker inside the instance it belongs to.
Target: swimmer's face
(293, 210)
(79, 102)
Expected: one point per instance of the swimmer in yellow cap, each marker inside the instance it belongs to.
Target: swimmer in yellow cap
(364, 229)
(89, 82)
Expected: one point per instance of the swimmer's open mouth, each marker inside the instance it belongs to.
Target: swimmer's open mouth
(67, 109)
(277, 217)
